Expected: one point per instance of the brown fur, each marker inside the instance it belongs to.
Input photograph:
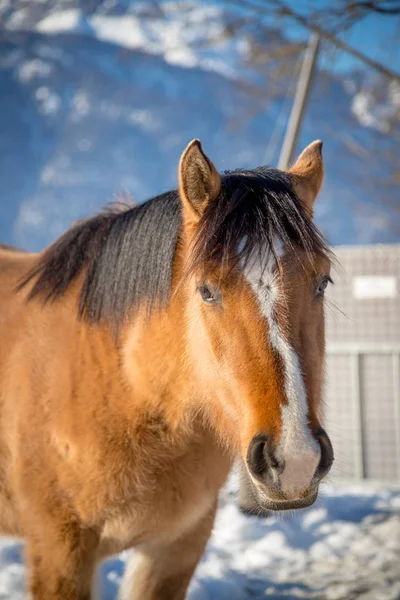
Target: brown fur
(106, 446)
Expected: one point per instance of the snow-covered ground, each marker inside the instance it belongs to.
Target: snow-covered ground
(345, 547)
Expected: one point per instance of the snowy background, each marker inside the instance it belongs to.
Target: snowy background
(99, 98)
(345, 547)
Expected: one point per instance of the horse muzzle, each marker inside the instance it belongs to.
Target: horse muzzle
(291, 483)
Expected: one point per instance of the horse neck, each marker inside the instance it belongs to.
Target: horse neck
(158, 377)
(153, 363)
(165, 372)
(154, 358)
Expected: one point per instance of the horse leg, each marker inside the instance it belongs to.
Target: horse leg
(61, 560)
(163, 572)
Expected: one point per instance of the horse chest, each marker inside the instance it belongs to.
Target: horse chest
(166, 506)
(135, 525)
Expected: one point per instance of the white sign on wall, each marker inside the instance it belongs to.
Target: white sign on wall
(374, 286)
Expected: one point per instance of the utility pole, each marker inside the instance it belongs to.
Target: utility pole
(300, 101)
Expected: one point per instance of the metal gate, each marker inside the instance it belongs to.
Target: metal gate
(362, 400)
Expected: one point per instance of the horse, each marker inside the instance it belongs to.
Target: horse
(142, 353)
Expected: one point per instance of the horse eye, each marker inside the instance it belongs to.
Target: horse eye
(322, 285)
(207, 294)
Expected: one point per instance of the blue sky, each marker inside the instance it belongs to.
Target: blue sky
(377, 36)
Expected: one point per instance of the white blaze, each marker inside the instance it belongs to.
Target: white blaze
(297, 446)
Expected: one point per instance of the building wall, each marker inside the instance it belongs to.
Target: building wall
(362, 399)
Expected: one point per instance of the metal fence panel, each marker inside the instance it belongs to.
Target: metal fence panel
(340, 417)
(362, 410)
(378, 416)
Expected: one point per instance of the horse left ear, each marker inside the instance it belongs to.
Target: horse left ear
(199, 181)
(308, 174)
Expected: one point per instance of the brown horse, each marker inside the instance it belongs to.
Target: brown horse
(141, 353)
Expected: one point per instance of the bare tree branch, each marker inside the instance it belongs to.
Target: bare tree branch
(282, 9)
(377, 7)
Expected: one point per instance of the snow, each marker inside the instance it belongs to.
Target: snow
(376, 110)
(346, 546)
(48, 101)
(60, 21)
(31, 69)
(177, 32)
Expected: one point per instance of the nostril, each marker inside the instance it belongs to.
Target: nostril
(261, 457)
(327, 456)
(256, 456)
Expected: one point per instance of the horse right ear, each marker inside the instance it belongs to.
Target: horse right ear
(308, 174)
(199, 181)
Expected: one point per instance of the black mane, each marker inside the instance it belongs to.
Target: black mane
(125, 258)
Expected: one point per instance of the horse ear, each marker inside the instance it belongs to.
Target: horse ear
(199, 181)
(308, 174)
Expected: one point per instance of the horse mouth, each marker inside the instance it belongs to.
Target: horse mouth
(277, 505)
